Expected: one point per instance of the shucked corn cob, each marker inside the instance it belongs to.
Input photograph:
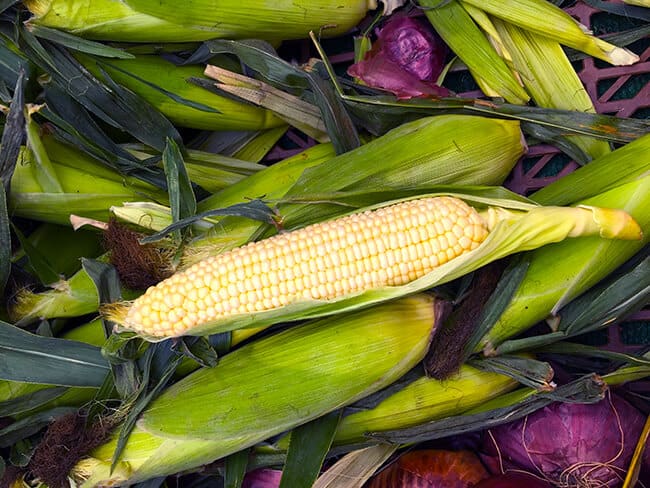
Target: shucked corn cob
(386, 247)
(389, 247)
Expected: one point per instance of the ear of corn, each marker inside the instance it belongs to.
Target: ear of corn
(546, 19)
(166, 86)
(550, 79)
(445, 149)
(547, 286)
(167, 21)
(354, 261)
(423, 400)
(462, 35)
(267, 387)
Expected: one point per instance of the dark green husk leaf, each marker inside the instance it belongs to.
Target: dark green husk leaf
(255, 209)
(308, 447)
(622, 9)
(13, 133)
(5, 242)
(46, 360)
(30, 401)
(605, 304)
(587, 389)
(529, 372)
(498, 301)
(158, 364)
(112, 103)
(575, 349)
(21, 453)
(235, 469)
(199, 350)
(181, 196)
(78, 43)
(23, 428)
(44, 271)
(4, 5)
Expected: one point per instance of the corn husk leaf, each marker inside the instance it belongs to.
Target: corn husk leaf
(112, 103)
(77, 43)
(167, 87)
(46, 360)
(463, 36)
(527, 228)
(308, 447)
(5, 239)
(507, 408)
(629, 11)
(609, 171)
(159, 446)
(551, 21)
(355, 468)
(551, 80)
(584, 263)
(605, 304)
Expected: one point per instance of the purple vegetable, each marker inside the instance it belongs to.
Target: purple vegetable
(406, 59)
(569, 444)
(262, 478)
(513, 480)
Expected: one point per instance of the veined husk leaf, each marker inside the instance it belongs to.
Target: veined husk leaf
(560, 272)
(268, 387)
(170, 22)
(422, 400)
(514, 226)
(462, 35)
(166, 86)
(444, 149)
(623, 165)
(550, 79)
(548, 20)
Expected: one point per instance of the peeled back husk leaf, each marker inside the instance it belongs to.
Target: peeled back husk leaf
(268, 387)
(560, 272)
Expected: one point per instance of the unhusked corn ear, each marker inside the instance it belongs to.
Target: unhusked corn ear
(389, 246)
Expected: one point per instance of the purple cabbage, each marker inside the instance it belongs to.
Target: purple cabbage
(406, 59)
(569, 444)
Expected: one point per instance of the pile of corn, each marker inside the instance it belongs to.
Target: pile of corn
(213, 309)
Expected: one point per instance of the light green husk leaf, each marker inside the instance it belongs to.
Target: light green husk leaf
(167, 21)
(268, 387)
(550, 78)
(546, 19)
(560, 272)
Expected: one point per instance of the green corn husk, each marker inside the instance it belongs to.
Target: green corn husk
(550, 79)
(268, 387)
(87, 188)
(458, 30)
(560, 272)
(168, 21)
(444, 149)
(166, 86)
(546, 19)
(514, 226)
(423, 400)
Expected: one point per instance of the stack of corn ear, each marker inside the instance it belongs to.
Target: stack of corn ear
(620, 180)
(168, 88)
(169, 21)
(377, 254)
(434, 150)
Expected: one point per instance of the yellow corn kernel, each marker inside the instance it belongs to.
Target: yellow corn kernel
(407, 240)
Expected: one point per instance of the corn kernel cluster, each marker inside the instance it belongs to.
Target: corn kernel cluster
(389, 246)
